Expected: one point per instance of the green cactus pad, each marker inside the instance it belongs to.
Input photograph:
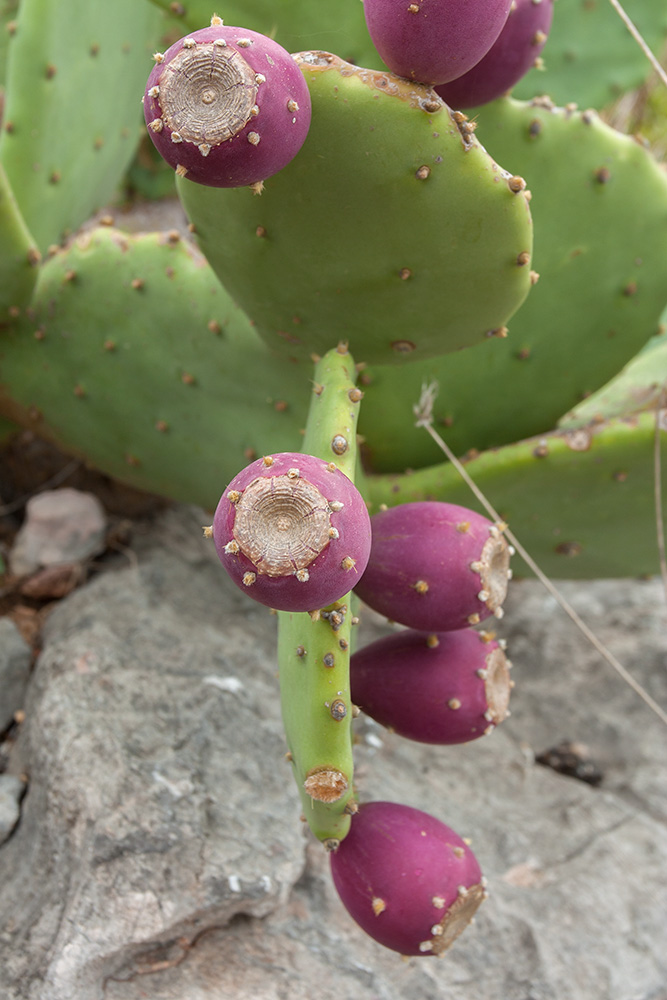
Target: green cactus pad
(19, 256)
(295, 24)
(392, 229)
(72, 117)
(599, 207)
(581, 502)
(642, 385)
(133, 356)
(8, 11)
(590, 56)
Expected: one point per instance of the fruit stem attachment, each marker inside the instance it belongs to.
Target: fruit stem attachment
(314, 649)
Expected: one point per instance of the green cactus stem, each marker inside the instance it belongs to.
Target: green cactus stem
(580, 501)
(19, 256)
(314, 650)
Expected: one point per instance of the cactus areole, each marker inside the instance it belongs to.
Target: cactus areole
(226, 107)
(293, 532)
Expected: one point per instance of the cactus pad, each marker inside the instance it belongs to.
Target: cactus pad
(600, 211)
(580, 501)
(72, 117)
(390, 211)
(591, 58)
(19, 256)
(132, 355)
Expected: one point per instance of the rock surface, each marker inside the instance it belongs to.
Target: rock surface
(61, 526)
(15, 663)
(159, 852)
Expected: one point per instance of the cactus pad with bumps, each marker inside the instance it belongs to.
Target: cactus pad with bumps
(598, 299)
(134, 356)
(19, 256)
(66, 153)
(591, 58)
(582, 502)
(391, 211)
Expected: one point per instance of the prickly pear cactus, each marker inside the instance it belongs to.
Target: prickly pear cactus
(395, 247)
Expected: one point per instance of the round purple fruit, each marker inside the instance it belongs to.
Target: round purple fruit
(435, 566)
(407, 879)
(227, 107)
(434, 41)
(293, 532)
(443, 688)
(514, 52)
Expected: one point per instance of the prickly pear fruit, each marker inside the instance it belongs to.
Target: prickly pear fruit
(226, 106)
(510, 57)
(431, 41)
(293, 532)
(435, 566)
(438, 687)
(407, 879)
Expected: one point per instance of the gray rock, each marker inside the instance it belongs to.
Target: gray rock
(61, 526)
(15, 663)
(160, 854)
(11, 790)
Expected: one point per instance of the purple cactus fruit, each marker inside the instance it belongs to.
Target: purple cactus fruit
(434, 41)
(513, 53)
(226, 106)
(435, 566)
(293, 532)
(407, 879)
(444, 688)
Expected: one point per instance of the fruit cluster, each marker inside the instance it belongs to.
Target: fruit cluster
(293, 532)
